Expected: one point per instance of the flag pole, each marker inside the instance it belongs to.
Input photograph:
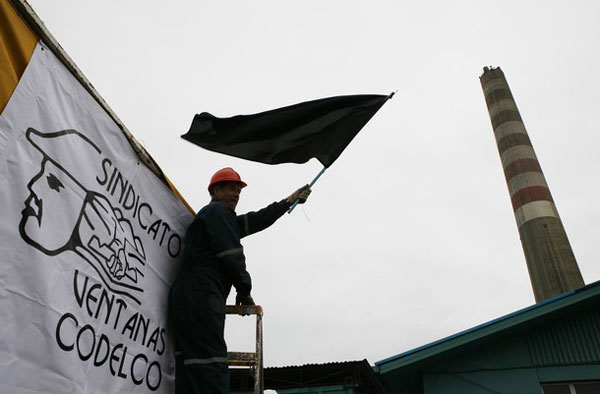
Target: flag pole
(309, 186)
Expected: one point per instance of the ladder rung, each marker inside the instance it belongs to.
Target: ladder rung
(241, 359)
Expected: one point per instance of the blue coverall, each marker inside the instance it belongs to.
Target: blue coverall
(213, 262)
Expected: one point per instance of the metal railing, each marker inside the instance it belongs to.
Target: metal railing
(254, 361)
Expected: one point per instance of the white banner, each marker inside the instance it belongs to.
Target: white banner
(90, 241)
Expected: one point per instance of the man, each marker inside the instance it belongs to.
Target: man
(214, 262)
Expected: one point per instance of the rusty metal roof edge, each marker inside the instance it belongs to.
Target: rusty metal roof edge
(37, 25)
(331, 363)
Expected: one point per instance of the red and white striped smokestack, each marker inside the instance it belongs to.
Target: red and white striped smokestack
(550, 260)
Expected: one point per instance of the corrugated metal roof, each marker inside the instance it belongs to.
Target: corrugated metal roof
(332, 363)
(358, 375)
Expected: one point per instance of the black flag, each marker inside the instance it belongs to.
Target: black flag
(294, 134)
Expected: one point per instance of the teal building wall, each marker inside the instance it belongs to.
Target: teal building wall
(334, 389)
(567, 349)
(556, 342)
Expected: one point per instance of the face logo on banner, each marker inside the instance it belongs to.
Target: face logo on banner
(61, 215)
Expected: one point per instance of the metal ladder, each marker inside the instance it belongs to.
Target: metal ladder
(254, 361)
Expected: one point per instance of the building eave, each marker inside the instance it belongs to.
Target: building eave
(492, 328)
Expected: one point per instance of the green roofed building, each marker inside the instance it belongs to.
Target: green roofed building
(552, 347)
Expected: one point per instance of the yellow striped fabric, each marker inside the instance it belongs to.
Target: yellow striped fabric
(17, 42)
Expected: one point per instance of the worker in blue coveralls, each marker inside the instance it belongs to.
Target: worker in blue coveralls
(213, 262)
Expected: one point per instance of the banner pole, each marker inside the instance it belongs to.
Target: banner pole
(309, 186)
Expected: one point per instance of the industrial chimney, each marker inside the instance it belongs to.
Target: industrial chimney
(550, 260)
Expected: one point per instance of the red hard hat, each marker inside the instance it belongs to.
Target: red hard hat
(226, 174)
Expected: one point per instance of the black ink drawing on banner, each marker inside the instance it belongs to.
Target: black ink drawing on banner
(61, 214)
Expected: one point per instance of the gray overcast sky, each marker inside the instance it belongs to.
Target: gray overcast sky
(409, 236)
